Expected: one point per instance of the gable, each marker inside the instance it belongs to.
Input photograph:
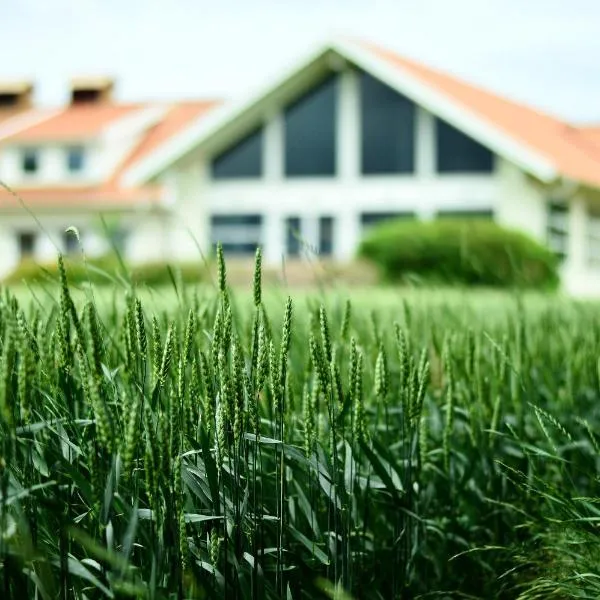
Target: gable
(435, 100)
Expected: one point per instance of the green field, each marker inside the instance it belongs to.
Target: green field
(343, 443)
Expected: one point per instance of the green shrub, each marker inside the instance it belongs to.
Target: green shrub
(473, 252)
(105, 270)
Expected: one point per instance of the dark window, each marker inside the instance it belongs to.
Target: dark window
(558, 228)
(244, 159)
(310, 132)
(387, 121)
(466, 214)
(238, 234)
(70, 243)
(75, 159)
(30, 160)
(85, 96)
(458, 153)
(374, 218)
(326, 236)
(26, 241)
(7, 100)
(293, 228)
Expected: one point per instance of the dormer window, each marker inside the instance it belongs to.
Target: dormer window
(75, 159)
(30, 162)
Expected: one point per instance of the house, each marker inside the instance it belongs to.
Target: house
(349, 136)
(62, 168)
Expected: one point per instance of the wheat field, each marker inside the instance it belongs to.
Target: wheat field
(219, 446)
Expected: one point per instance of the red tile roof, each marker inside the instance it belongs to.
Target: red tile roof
(76, 122)
(564, 145)
(83, 122)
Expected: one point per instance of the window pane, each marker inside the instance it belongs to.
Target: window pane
(557, 228)
(238, 234)
(310, 131)
(458, 153)
(75, 159)
(466, 214)
(374, 218)
(326, 236)
(30, 160)
(244, 159)
(293, 227)
(593, 238)
(387, 129)
(26, 241)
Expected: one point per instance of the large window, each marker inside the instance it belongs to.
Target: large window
(310, 132)
(243, 160)
(458, 153)
(238, 234)
(558, 228)
(593, 238)
(30, 160)
(387, 121)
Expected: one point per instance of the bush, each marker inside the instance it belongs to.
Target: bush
(473, 252)
(105, 270)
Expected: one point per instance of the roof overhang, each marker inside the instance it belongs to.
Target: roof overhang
(434, 100)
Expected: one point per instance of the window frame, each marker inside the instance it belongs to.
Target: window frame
(238, 243)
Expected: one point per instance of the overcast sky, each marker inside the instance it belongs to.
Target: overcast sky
(544, 52)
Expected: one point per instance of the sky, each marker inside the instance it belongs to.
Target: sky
(542, 52)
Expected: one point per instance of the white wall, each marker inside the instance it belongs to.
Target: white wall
(520, 203)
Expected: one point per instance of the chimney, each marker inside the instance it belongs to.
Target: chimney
(91, 90)
(16, 94)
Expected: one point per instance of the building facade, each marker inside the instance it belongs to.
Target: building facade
(349, 136)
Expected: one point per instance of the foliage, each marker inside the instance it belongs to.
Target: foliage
(105, 270)
(219, 450)
(473, 252)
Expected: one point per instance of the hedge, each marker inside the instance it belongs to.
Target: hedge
(459, 251)
(105, 271)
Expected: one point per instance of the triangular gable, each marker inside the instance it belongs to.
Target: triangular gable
(397, 76)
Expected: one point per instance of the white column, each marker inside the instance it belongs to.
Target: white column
(9, 252)
(45, 248)
(273, 237)
(425, 144)
(274, 146)
(348, 126)
(346, 235)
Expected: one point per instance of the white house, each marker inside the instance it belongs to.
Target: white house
(348, 136)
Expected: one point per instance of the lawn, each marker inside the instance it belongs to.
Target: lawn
(343, 443)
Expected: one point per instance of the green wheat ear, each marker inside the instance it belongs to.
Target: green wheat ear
(221, 269)
(258, 277)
